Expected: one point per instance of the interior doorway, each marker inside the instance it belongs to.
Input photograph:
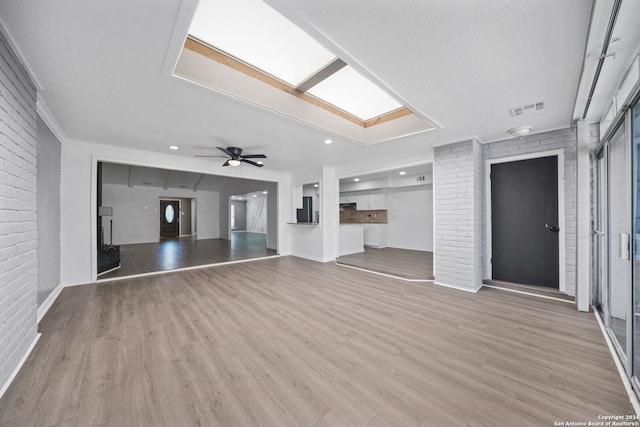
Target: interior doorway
(524, 221)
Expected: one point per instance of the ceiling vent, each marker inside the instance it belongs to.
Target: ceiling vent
(420, 178)
(518, 111)
(146, 183)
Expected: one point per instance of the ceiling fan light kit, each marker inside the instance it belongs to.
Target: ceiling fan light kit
(520, 131)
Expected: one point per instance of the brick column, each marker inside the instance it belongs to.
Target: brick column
(458, 193)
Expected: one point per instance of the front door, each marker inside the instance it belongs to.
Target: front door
(169, 218)
(524, 222)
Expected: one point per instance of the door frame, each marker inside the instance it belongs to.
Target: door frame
(170, 199)
(561, 215)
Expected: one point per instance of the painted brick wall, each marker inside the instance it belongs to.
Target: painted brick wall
(18, 261)
(458, 214)
(561, 139)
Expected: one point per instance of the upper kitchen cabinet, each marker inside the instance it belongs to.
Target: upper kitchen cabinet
(366, 200)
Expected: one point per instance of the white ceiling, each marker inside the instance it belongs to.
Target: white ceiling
(105, 74)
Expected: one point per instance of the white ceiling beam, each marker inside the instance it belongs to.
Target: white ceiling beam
(195, 187)
(323, 73)
(166, 181)
(130, 176)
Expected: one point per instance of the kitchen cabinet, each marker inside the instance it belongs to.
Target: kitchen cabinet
(367, 200)
(377, 201)
(375, 235)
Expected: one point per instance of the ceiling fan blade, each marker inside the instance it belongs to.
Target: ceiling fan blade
(255, 156)
(224, 150)
(223, 157)
(251, 163)
(226, 163)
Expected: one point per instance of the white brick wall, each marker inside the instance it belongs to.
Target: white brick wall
(458, 217)
(561, 139)
(18, 262)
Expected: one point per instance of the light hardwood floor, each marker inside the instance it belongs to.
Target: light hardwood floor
(405, 263)
(291, 342)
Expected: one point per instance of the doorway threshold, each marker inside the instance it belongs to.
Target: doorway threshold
(529, 290)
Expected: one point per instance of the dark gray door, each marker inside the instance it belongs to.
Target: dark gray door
(169, 218)
(524, 222)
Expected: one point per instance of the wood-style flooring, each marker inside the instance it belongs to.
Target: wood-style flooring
(408, 264)
(169, 254)
(291, 342)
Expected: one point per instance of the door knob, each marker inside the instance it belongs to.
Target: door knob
(552, 228)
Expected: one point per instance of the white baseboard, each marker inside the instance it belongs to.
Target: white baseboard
(460, 288)
(355, 251)
(46, 305)
(13, 375)
(310, 258)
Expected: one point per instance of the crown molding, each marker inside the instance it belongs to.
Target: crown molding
(19, 55)
(45, 114)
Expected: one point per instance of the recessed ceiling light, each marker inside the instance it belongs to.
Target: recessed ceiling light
(328, 141)
(316, 185)
(403, 173)
(173, 147)
(264, 192)
(356, 179)
(255, 195)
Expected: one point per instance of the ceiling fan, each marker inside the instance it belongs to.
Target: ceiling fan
(235, 157)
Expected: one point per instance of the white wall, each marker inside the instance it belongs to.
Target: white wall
(410, 214)
(318, 242)
(136, 217)
(78, 199)
(307, 241)
(48, 212)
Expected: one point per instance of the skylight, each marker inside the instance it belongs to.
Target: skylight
(251, 32)
(350, 91)
(254, 33)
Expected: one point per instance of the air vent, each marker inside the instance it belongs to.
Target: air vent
(420, 178)
(184, 186)
(518, 111)
(146, 183)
